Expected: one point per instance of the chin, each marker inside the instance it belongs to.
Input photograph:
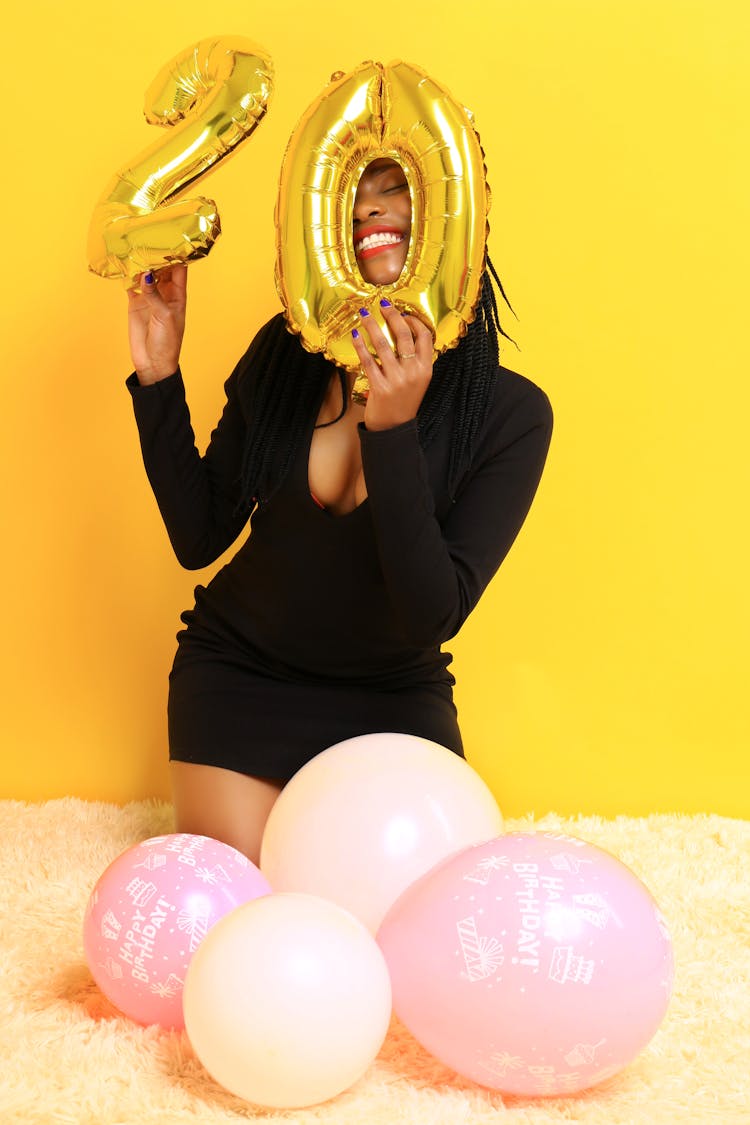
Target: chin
(380, 275)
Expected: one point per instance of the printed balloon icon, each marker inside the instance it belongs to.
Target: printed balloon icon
(534, 964)
(149, 912)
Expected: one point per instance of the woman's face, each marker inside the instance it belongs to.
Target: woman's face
(382, 221)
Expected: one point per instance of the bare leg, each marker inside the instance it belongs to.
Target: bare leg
(225, 805)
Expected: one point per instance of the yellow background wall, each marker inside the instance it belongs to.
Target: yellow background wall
(606, 669)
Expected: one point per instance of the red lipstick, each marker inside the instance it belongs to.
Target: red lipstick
(377, 228)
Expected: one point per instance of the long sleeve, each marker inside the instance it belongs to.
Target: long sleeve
(435, 571)
(197, 495)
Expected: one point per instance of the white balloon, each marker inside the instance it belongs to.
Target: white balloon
(366, 818)
(287, 1001)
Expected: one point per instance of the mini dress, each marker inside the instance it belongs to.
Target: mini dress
(323, 627)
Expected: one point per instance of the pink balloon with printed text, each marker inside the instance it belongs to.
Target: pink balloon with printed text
(535, 964)
(149, 912)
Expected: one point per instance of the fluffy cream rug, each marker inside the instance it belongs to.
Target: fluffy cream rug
(67, 1058)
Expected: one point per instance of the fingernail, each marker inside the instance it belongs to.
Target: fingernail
(149, 278)
(355, 333)
(363, 312)
(385, 303)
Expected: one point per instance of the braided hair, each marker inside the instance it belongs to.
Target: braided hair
(463, 380)
(288, 382)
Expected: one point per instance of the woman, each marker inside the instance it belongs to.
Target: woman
(375, 528)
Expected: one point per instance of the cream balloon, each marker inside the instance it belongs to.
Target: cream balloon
(287, 1004)
(364, 819)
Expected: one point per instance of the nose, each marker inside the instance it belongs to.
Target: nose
(367, 203)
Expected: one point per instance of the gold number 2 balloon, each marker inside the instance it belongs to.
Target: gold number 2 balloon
(394, 111)
(211, 96)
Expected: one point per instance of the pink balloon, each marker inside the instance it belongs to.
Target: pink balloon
(533, 964)
(150, 910)
(367, 817)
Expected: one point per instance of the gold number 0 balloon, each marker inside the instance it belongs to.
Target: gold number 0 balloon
(394, 111)
(212, 96)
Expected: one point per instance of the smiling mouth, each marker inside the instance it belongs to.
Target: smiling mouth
(376, 243)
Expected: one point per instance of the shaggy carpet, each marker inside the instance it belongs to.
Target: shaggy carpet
(68, 1058)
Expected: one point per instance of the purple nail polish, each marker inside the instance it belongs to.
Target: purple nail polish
(363, 312)
(355, 333)
(149, 278)
(385, 303)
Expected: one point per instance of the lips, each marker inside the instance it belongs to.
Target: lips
(375, 240)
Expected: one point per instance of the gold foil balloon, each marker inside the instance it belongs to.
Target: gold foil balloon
(211, 97)
(394, 111)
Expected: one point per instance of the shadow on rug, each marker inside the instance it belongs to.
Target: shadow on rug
(70, 1059)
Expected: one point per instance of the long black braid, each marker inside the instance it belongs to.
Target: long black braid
(288, 382)
(463, 380)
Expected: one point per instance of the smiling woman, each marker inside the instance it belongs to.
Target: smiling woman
(382, 221)
(375, 527)
(380, 116)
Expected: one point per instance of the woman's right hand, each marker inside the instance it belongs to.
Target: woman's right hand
(156, 323)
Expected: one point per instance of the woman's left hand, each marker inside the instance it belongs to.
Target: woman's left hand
(398, 378)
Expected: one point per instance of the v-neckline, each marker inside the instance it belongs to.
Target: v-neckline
(316, 505)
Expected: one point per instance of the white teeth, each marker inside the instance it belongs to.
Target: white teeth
(381, 239)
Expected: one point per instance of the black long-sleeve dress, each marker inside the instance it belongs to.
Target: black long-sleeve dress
(323, 626)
